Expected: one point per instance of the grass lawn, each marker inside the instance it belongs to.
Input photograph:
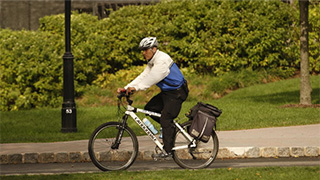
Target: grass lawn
(256, 106)
(270, 173)
(261, 106)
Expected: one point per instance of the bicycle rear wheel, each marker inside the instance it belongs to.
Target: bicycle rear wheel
(109, 155)
(201, 156)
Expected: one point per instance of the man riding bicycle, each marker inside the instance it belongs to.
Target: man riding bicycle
(162, 71)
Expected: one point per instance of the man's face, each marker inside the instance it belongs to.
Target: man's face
(148, 53)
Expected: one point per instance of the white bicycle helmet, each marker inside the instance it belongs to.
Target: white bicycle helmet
(148, 42)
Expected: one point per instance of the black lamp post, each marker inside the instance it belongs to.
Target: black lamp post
(68, 111)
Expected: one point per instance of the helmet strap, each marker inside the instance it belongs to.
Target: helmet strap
(154, 52)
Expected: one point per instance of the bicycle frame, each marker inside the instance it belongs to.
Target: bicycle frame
(107, 153)
(131, 111)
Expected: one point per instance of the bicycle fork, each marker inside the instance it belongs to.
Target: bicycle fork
(117, 142)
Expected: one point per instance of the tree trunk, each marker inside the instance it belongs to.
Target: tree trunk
(305, 85)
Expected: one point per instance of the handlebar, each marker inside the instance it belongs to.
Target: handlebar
(126, 94)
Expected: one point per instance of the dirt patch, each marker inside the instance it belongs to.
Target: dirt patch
(300, 106)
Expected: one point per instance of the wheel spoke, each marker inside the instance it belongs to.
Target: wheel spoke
(199, 157)
(107, 153)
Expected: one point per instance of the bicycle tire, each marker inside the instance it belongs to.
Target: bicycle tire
(109, 158)
(201, 157)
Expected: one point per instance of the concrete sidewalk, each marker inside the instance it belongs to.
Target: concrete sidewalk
(293, 141)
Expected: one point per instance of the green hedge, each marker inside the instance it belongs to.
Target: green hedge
(31, 69)
(314, 37)
(206, 36)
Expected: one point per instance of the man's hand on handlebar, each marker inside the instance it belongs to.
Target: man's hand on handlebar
(126, 93)
(130, 90)
(121, 90)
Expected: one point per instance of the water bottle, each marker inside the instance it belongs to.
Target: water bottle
(150, 126)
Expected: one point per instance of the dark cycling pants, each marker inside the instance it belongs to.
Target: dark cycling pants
(168, 103)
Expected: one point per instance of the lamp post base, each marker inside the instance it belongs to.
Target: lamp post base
(69, 117)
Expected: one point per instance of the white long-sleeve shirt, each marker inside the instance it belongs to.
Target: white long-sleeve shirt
(156, 70)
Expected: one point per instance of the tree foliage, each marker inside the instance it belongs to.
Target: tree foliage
(206, 36)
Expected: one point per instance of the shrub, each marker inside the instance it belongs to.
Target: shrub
(31, 69)
(87, 44)
(211, 36)
(207, 37)
(314, 37)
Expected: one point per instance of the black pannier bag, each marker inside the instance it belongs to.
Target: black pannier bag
(204, 118)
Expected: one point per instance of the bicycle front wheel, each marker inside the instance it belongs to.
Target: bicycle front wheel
(113, 147)
(199, 157)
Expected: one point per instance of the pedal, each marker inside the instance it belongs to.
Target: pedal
(154, 157)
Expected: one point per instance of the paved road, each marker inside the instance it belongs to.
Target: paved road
(66, 168)
(293, 141)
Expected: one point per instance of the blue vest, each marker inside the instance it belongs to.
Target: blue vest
(173, 81)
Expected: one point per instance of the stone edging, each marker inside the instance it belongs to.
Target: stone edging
(224, 153)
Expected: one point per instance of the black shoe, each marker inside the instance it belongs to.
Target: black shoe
(165, 156)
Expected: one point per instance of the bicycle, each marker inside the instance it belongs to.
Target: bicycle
(114, 146)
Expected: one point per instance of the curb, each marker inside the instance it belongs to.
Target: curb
(224, 153)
